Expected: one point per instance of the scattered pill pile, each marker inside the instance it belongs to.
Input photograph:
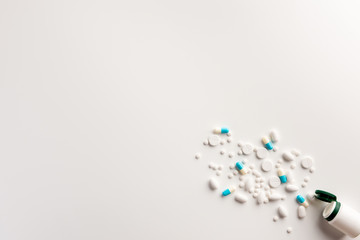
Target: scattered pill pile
(263, 184)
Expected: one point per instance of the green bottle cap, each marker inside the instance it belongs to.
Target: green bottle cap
(325, 196)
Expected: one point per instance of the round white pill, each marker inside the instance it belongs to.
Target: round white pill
(211, 165)
(280, 161)
(232, 166)
(241, 184)
(247, 148)
(220, 167)
(266, 187)
(218, 173)
(252, 166)
(229, 140)
(230, 176)
(235, 173)
(257, 185)
(197, 155)
(261, 153)
(256, 190)
(257, 180)
(277, 165)
(266, 165)
(275, 148)
(306, 162)
(244, 160)
(289, 230)
(222, 151)
(231, 154)
(306, 179)
(275, 218)
(255, 195)
(239, 152)
(274, 181)
(213, 183)
(240, 144)
(293, 166)
(228, 134)
(303, 185)
(205, 142)
(214, 140)
(222, 141)
(312, 169)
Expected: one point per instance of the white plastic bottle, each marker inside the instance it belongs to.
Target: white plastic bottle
(339, 215)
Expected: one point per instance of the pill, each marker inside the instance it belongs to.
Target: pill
(218, 173)
(282, 176)
(261, 185)
(230, 176)
(249, 185)
(241, 178)
(256, 173)
(312, 169)
(255, 195)
(266, 165)
(241, 198)
(221, 130)
(247, 149)
(274, 136)
(257, 185)
(229, 140)
(241, 184)
(275, 197)
(306, 179)
(262, 179)
(240, 144)
(260, 198)
(266, 200)
(277, 165)
(214, 167)
(220, 167)
(283, 212)
(261, 153)
(302, 201)
(295, 152)
(301, 212)
(206, 142)
(232, 166)
(275, 148)
(267, 143)
(222, 141)
(252, 166)
(240, 167)
(275, 218)
(197, 155)
(306, 162)
(293, 166)
(256, 190)
(231, 154)
(240, 152)
(222, 151)
(289, 230)
(287, 156)
(303, 185)
(228, 191)
(251, 190)
(213, 140)
(274, 181)
(228, 134)
(291, 188)
(244, 160)
(235, 173)
(310, 196)
(213, 184)
(257, 180)
(266, 187)
(280, 161)
(211, 165)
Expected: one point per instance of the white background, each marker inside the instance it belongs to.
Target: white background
(104, 104)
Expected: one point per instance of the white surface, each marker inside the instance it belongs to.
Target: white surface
(104, 104)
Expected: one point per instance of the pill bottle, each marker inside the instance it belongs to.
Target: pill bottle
(339, 215)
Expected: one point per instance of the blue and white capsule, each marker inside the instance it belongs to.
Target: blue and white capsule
(267, 143)
(221, 130)
(228, 191)
(302, 201)
(282, 175)
(240, 167)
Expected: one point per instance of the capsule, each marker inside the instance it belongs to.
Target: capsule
(267, 143)
(282, 176)
(221, 130)
(228, 191)
(302, 201)
(240, 167)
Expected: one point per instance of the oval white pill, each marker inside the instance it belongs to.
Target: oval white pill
(287, 156)
(295, 152)
(266, 165)
(291, 188)
(249, 185)
(306, 162)
(260, 198)
(261, 153)
(275, 197)
(213, 140)
(274, 181)
(283, 212)
(256, 173)
(274, 136)
(213, 184)
(247, 149)
(241, 198)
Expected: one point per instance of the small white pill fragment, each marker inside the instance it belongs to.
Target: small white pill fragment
(289, 230)
(312, 169)
(228, 134)
(214, 140)
(274, 181)
(306, 179)
(241, 184)
(232, 166)
(306, 162)
(280, 161)
(266, 200)
(255, 195)
(197, 155)
(256, 173)
(262, 153)
(229, 140)
(277, 165)
(213, 184)
(274, 136)
(230, 176)
(301, 212)
(275, 148)
(247, 149)
(252, 166)
(235, 173)
(293, 166)
(295, 152)
(220, 167)
(291, 188)
(257, 180)
(287, 156)
(222, 151)
(303, 185)
(240, 144)
(275, 218)
(241, 198)
(266, 165)
(231, 154)
(249, 185)
(222, 141)
(275, 197)
(257, 185)
(283, 212)
(239, 152)
(266, 188)
(206, 142)
(256, 190)
(260, 198)
(218, 173)
(244, 161)
(310, 196)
